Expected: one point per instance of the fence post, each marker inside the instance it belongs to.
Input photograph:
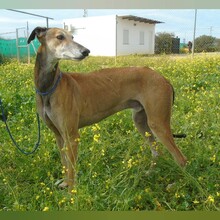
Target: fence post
(17, 46)
(28, 45)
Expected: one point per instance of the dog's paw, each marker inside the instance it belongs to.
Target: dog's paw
(61, 184)
(183, 162)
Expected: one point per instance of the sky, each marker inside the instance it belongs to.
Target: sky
(180, 22)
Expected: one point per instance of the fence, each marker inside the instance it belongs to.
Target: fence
(8, 47)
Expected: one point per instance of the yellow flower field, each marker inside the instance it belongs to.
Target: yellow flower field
(113, 158)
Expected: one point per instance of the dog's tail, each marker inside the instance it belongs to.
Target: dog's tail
(173, 93)
(179, 135)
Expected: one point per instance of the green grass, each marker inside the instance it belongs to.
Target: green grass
(113, 158)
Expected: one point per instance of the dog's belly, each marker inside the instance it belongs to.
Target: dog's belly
(88, 119)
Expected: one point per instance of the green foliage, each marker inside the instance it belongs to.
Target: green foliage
(217, 43)
(2, 59)
(113, 159)
(163, 43)
(205, 43)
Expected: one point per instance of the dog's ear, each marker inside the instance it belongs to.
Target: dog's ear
(39, 32)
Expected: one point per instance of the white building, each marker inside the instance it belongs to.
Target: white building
(114, 35)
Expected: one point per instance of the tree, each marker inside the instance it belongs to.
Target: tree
(163, 42)
(217, 44)
(205, 43)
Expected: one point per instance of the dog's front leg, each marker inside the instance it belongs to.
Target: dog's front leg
(60, 142)
(71, 147)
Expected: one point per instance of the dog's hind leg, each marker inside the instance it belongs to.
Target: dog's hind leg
(140, 121)
(158, 119)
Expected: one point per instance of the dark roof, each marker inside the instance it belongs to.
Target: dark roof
(140, 19)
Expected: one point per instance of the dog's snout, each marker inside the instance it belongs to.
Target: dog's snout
(85, 52)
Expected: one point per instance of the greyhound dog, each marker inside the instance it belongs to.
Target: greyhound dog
(69, 101)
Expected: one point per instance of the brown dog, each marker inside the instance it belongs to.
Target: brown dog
(67, 102)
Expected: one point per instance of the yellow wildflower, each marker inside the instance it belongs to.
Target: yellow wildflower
(46, 209)
(96, 137)
(147, 134)
(177, 195)
(94, 175)
(95, 127)
(213, 158)
(196, 202)
(210, 199)
(72, 200)
(130, 163)
(74, 191)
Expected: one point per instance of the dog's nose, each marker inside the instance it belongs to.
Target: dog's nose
(85, 52)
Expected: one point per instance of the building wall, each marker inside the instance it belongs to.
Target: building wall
(141, 37)
(98, 34)
(95, 33)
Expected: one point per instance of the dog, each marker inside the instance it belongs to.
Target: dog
(69, 101)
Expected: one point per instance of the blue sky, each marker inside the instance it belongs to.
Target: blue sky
(177, 21)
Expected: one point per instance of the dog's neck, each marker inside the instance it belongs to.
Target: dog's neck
(46, 71)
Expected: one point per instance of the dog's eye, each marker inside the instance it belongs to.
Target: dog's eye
(72, 37)
(60, 37)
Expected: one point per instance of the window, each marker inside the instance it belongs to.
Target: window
(141, 38)
(125, 37)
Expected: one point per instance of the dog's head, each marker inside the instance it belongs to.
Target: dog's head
(59, 43)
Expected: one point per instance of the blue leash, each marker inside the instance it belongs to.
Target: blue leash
(4, 119)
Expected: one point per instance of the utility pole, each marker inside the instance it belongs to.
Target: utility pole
(85, 13)
(194, 33)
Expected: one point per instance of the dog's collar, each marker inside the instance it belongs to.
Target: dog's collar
(50, 91)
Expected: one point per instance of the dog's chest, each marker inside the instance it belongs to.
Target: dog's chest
(46, 109)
